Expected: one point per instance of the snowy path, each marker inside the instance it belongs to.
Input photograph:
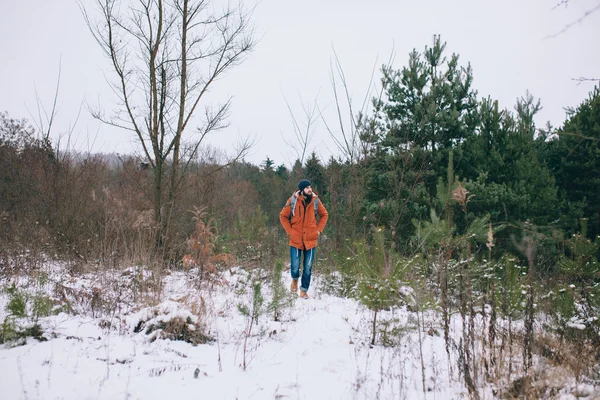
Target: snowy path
(320, 351)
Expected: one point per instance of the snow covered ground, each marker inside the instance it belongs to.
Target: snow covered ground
(318, 350)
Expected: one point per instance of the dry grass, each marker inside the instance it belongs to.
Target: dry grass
(559, 367)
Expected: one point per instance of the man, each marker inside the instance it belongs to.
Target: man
(299, 219)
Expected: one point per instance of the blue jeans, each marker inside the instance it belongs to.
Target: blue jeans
(309, 257)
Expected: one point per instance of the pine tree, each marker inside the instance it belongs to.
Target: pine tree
(429, 108)
(281, 298)
(315, 172)
(506, 171)
(380, 272)
(252, 314)
(574, 159)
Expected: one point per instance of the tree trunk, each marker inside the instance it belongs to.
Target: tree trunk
(158, 171)
(180, 121)
(374, 328)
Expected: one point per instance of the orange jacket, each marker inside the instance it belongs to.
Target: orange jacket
(303, 230)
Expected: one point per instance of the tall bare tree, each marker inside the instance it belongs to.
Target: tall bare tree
(165, 55)
(348, 141)
(303, 129)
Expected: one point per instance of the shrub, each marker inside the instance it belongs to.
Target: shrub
(178, 329)
(16, 306)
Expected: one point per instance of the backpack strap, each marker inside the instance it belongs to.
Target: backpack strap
(293, 200)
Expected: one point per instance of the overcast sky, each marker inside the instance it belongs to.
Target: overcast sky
(506, 43)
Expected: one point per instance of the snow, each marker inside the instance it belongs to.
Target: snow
(320, 348)
(576, 325)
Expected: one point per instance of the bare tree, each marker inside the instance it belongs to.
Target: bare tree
(304, 129)
(165, 55)
(350, 139)
(44, 124)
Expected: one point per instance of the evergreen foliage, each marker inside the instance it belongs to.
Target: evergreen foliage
(573, 156)
(281, 298)
(380, 274)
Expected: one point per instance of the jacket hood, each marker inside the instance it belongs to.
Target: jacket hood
(314, 194)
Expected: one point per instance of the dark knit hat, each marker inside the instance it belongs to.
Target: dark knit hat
(304, 183)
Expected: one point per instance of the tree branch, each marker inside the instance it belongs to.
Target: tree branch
(573, 23)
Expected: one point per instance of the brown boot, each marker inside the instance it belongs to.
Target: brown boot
(303, 294)
(294, 286)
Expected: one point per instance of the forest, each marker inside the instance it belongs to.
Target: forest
(442, 203)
